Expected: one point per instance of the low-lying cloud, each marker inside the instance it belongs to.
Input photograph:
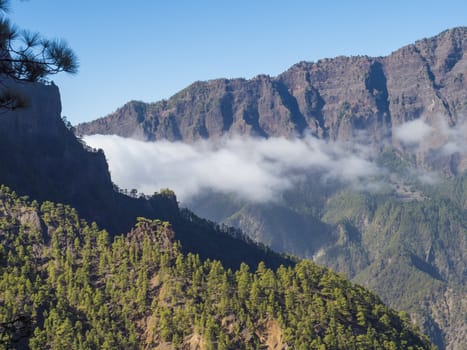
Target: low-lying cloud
(260, 169)
(439, 137)
(255, 169)
(412, 132)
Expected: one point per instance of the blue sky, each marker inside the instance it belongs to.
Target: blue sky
(148, 50)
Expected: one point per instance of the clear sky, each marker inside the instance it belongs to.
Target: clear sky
(150, 49)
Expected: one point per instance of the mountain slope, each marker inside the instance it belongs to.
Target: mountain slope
(66, 285)
(408, 246)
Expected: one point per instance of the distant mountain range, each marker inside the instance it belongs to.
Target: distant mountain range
(408, 241)
(334, 99)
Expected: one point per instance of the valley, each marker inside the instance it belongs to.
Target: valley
(399, 226)
(322, 208)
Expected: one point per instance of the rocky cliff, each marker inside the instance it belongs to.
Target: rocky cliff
(41, 157)
(333, 98)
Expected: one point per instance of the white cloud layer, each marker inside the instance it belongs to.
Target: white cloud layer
(255, 169)
(261, 169)
(412, 132)
(438, 137)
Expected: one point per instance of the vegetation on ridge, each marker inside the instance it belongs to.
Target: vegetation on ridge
(66, 284)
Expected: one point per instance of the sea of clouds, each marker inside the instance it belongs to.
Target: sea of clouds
(258, 169)
(254, 168)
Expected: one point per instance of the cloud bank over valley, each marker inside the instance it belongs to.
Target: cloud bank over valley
(259, 169)
(253, 168)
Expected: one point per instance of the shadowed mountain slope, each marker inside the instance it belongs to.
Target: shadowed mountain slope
(41, 158)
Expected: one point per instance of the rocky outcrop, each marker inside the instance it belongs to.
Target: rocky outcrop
(42, 158)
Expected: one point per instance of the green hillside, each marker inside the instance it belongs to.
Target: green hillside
(66, 284)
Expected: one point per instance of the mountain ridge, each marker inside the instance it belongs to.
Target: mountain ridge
(334, 99)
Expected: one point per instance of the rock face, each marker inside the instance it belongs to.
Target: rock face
(41, 157)
(334, 98)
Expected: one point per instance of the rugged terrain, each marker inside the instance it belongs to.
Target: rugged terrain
(334, 99)
(406, 241)
(407, 246)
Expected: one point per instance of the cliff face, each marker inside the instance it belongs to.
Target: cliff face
(40, 156)
(334, 98)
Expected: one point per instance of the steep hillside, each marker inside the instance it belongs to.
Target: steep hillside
(66, 285)
(408, 244)
(414, 253)
(335, 99)
(41, 158)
